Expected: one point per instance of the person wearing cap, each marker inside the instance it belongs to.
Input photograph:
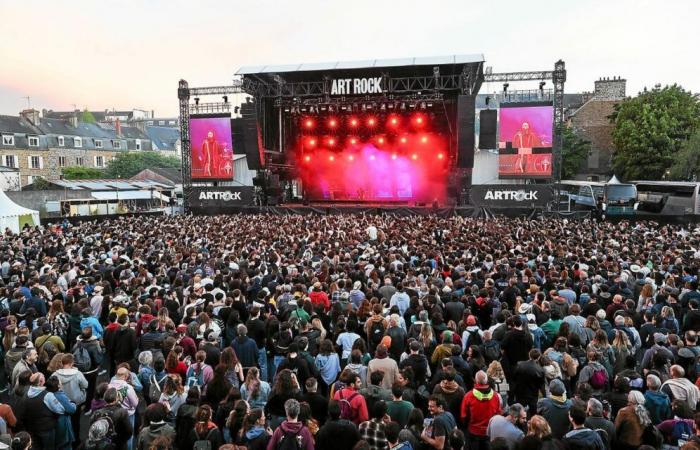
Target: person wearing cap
(356, 296)
(555, 408)
(472, 334)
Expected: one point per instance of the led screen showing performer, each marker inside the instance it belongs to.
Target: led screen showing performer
(525, 141)
(212, 147)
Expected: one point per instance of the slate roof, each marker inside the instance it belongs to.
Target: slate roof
(163, 138)
(17, 124)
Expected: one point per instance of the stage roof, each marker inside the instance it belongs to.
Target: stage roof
(372, 63)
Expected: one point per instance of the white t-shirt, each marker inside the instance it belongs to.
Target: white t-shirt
(372, 233)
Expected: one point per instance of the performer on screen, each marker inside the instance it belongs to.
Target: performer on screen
(210, 148)
(524, 140)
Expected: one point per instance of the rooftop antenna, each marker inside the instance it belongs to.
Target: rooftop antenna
(29, 102)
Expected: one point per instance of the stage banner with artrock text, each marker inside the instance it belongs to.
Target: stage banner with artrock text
(511, 195)
(221, 196)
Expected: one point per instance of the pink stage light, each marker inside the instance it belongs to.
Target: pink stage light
(393, 156)
(403, 139)
(414, 156)
(380, 140)
(353, 141)
(308, 123)
(424, 139)
(331, 158)
(351, 158)
(440, 156)
(371, 157)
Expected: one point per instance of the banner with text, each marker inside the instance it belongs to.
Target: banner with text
(511, 195)
(221, 196)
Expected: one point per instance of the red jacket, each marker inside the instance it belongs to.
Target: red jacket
(358, 404)
(320, 298)
(478, 406)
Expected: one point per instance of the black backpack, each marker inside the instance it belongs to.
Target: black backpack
(474, 338)
(492, 351)
(376, 332)
(105, 416)
(290, 441)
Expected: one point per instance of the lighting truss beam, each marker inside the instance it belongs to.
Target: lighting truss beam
(518, 76)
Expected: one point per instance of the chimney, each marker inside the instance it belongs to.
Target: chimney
(153, 114)
(118, 128)
(607, 88)
(32, 115)
(74, 119)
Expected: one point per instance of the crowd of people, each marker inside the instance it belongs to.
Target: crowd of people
(350, 332)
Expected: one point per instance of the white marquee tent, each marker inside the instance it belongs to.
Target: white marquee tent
(14, 216)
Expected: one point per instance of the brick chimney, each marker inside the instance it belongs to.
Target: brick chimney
(32, 115)
(610, 88)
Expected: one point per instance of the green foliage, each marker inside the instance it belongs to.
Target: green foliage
(128, 164)
(87, 117)
(82, 173)
(574, 152)
(687, 162)
(40, 184)
(650, 129)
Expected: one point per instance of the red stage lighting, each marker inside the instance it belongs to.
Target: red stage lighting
(414, 156)
(307, 158)
(393, 156)
(393, 121)
(371, 121)
(351, 157)
(331, 158)
(353, 122)
(418, 120)
(353, 141)
(404, 139)
(332, 123)
(440, 156)
(424, 139)
(308, 123)
(380, 140)
(312, 142)
(331, 142)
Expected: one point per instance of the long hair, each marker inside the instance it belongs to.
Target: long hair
(284, 383)
(636, 400)
(173, 359)
(251, 419)
(252, 383)
(203, 417)
(229, 358)
(56, 309)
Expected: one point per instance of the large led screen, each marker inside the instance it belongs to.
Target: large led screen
(212, 147)
(525, 141)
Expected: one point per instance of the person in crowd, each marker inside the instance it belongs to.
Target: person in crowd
(157, 426)
(292, 428)
(508, 427)
(581, 437)
(631, 421)
(555, 408)
(337, 433)
(596, 420)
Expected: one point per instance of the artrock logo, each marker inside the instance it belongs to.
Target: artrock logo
(518, 196)
(225, 196)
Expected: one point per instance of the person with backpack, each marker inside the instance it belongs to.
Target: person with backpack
(40, 412)
(291, 434)
(129, 400)
(157, 426)
(375, 327)
(112, 421)
(205, 435)
(472, 335)
(680, 426)
(48, 345)
(75, 386)
(353, 406)
(199, 373)
(595, 374)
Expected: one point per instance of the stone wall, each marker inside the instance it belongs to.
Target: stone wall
(610, 88)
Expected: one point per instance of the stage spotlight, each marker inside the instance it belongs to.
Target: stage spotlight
(308, 123)
(331, 158)
(414, 156)
(394, 121)
(403, 106)
(371, 157)
(440, 156)
(380, 140)
(424, 139)
(351, 158)
(403, 139)
(331, 142)
(312, 142)
(371, 121)
(419, 120)
(393, 156)
(307, 158)
(353, 122)
(422, 105)
(332, 123)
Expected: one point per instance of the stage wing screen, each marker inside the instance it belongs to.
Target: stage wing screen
(525, 141)
(212, 147)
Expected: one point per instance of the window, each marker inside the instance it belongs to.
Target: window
(161, 122)
(99, 161)
(79, 161)
(117, 145)
(61, 141)
(78, 142)
(36, 162)
(98, 143)
(10, 161)
(33, 141)
(138, 144)
(61, 161)
(8, 139)
(30, 179)
(150, 122)
(171, 122)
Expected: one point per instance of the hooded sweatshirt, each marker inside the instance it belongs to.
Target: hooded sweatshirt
(478, 406)
(556, 411)
(74, 384)
(50, 400)
(150, 433)
(292, 428)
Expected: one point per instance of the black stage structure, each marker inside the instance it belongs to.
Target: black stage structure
(279, 95)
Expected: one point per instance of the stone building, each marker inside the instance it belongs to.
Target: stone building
(591, 122)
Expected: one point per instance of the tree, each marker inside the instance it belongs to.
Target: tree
(686, 165)
(40, 184)
(574, 152)
(82, 173)
(650, 129)
(87, 117)
(128, 164)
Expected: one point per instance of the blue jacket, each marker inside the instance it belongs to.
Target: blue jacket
(92, 322)
(659, 406)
